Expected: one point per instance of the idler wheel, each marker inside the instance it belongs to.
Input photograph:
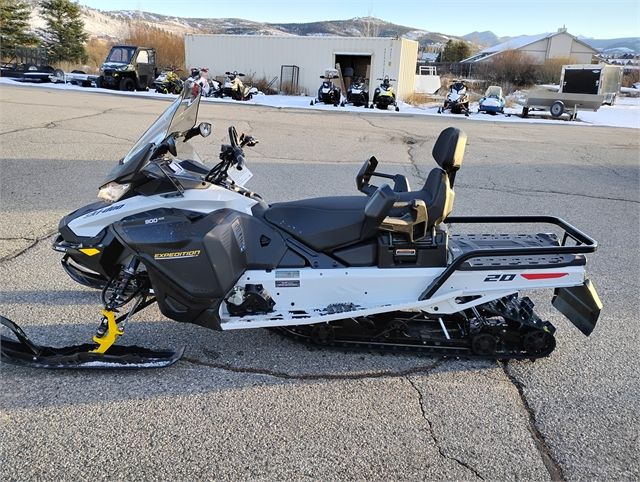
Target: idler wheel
(323, 334)
(484, 344)
(538, 343)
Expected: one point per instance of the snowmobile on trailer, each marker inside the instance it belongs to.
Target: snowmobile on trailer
(383, 269)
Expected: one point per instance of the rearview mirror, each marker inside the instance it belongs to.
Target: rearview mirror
(205, 129)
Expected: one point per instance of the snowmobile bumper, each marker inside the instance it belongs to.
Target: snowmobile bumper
(580, 304)
(22, 351)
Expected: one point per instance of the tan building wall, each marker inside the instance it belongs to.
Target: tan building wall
(264, 55)
(561, 45)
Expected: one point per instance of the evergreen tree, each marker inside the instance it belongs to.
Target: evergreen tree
(64, 36)
(14, 26)
(455, 51)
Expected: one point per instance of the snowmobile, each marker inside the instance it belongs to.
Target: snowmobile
(209, 87)
(234, 87)
(493, 102)
(384, 96)
(357, 94)
(329, 93)
(457, 100)
(387, 269)
(168, 82)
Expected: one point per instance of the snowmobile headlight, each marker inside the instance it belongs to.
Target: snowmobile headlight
(113, 191)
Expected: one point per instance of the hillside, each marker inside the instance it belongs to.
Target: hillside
(114, 25)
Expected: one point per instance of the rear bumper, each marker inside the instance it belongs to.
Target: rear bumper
(580, 304)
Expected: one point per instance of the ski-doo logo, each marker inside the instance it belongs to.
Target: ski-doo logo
(115, 207)
(177, 254)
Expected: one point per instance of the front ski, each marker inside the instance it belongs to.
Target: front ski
(22, 351)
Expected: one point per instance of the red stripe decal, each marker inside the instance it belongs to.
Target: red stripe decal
(533, 276)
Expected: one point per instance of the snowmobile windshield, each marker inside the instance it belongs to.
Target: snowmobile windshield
(458, 86)
(179, 117)
(121, 55)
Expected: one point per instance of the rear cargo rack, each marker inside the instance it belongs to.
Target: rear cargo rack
(584, 244)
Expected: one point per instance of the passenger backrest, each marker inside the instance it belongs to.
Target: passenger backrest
(448, 150)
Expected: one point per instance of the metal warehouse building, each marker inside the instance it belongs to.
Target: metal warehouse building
(267, 55)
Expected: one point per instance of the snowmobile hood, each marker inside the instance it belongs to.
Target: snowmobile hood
(179, 117)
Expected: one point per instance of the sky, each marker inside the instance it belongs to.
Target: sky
(590, 18)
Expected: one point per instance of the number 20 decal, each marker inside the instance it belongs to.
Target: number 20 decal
(500, 277)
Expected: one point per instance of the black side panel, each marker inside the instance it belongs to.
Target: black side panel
(580, 304)
(194, 260)
(362, 254)
(396, 251)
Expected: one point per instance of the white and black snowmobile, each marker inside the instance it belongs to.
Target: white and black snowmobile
(328, 92)
(386, 269)
(357, 93)
(457, 100)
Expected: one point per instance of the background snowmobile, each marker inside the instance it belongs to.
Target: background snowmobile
(457, 100)
(384, 96)
(234, 87)
(168, 82)
(357, 93)
(383, 269)
(493, 102)
(209, 87)
(329, 93)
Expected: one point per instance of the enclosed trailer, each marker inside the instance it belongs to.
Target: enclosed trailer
(596, 79)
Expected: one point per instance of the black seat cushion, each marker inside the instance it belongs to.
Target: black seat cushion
(321, 223)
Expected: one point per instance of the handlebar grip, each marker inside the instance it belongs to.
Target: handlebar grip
(239, 155)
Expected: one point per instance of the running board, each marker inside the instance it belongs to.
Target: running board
(445, 304)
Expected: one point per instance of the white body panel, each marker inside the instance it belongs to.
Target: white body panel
(304, 296)
(199, 200)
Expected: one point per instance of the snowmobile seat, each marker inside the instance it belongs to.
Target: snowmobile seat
(436, 195)
(321, 223)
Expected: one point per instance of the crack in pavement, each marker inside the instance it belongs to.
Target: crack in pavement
(53, 124)
(325, 376)
(550, 463)
(34, 242)
(433, 434)
(542, 191)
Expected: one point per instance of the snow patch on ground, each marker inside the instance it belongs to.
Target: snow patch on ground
(625, 112)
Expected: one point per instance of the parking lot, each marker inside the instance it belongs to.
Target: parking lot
(252, 405)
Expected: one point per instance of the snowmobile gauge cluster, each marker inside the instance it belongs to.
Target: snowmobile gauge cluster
(388, 268)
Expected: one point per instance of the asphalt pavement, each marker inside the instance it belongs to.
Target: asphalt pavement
(252, 405)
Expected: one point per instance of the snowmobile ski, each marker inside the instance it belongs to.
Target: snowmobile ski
(24, 352)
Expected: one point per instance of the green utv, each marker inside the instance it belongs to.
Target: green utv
(128, 67)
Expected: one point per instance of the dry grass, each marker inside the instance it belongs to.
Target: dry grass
(261, 83)
(289, 88)
(417, 99)
(631, 78)
(169, 46)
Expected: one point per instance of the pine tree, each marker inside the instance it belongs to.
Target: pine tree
(455, 51)
(64, 36)
(14, 26)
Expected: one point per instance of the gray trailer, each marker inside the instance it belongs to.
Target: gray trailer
(596, 79)
(559, 103)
